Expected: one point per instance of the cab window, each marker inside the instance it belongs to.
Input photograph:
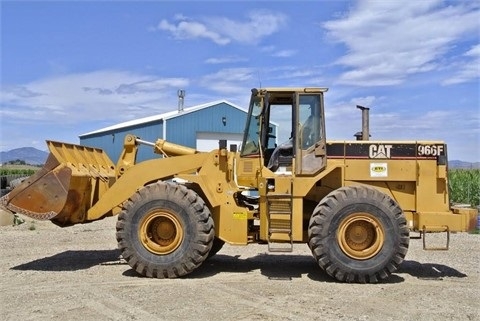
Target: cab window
(250, 145)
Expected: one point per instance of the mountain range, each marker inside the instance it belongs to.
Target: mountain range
(29, 155)
(33, 156)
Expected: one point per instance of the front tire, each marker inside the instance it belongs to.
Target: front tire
(165, 231)
(358, 234)
(217, 245)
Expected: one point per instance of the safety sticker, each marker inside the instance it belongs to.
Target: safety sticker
(239, 216)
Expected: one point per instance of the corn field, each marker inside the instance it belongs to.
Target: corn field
(464, 186)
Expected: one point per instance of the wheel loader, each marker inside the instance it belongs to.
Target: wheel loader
(353, 202)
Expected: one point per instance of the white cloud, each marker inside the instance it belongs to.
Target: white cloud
(284, 53)
(229, 80)
(267, 49)
(473, 52)
(389, 40)
(343, 120)
(346, 110)
(82, 97)
(258, 24)
(468, 69)
(276, 52)
(150, 85)
(192, 30)
(224, 60)
(222, 31)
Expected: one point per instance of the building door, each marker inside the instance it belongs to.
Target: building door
(207, 141)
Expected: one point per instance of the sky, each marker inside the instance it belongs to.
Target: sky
(72, 67)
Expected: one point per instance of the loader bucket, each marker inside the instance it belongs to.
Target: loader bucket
(73, 178)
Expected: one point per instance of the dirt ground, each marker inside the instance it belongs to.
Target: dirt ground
(76, 273)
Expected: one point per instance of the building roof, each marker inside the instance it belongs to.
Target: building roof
(164, 116)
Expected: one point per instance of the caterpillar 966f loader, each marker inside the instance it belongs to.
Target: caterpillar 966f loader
(353, 202)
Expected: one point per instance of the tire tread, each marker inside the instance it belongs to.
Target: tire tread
(200, 247)
(318, 227)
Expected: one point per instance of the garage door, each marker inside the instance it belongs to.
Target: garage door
(209, 141)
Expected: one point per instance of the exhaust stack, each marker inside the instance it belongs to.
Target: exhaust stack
(365, 133)
(181, 99)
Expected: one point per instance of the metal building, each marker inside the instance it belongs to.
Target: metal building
(199, 127)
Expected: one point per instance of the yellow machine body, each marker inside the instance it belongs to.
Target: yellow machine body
(264, 192)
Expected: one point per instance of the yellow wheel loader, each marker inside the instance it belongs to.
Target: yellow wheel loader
(353, 202)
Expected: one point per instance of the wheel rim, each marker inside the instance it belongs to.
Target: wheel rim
(161, 232)
(360, 236)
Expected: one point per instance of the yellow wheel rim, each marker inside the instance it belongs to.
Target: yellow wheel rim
(360, 236)
(161, 232)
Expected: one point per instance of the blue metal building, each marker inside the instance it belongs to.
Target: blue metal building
(199, 127)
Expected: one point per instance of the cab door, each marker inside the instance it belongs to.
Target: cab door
(310, 156)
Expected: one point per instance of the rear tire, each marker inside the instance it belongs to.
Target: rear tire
(358, 234)
(165, 231)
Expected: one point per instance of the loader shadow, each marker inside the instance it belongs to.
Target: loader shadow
(275, 267)
(281, 267)
(272, 266)
(294, 266)
(429, 270)
(72, 261)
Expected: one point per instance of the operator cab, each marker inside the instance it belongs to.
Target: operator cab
(302, 147)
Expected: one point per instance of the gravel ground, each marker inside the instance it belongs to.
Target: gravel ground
(75, 273)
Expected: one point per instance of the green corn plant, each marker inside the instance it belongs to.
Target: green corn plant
(464, 185)
(26, 172)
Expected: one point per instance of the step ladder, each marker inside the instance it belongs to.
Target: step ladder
(279, 216)
(435, 229)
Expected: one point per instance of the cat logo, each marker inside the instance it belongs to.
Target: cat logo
(379, 151)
